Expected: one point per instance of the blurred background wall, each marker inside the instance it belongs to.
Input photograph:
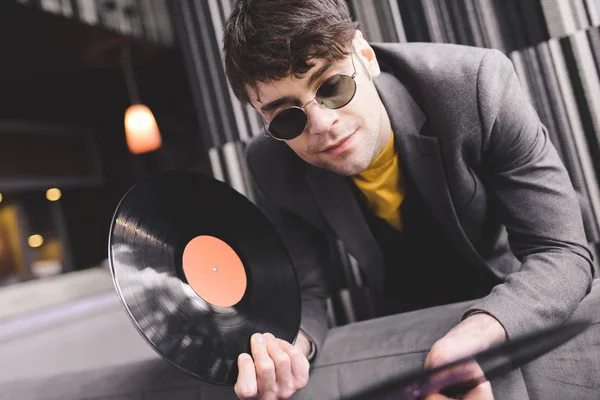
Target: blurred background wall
(64, 91)
(66, 85)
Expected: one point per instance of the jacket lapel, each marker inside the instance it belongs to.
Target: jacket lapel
(420, 157)
(336, 199)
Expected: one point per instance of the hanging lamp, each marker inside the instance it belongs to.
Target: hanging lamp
(141, 130)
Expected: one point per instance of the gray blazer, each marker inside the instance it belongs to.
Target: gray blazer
(483, 163)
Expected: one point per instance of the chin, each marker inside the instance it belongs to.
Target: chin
(348, 167)
(351, 163)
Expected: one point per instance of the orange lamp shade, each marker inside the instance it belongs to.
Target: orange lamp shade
(141, 130)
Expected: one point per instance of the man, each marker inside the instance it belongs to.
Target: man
(430, 165)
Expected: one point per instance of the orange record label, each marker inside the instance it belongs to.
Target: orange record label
(214, 271)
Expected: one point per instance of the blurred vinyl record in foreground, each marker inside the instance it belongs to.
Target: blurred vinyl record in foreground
(199, 269)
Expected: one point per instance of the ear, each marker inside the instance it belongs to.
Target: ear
(367, 54)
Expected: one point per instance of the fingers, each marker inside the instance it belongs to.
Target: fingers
(437, 396)
(286, 384)
(299, 364)
(481, 392)
(265, 368)
(246, 386)
(276, 369)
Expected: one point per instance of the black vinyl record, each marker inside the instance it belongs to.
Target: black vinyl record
(156, 222)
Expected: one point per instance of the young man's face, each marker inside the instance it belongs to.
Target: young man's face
(344, 140)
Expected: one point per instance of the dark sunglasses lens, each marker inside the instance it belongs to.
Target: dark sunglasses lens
(288, 124)
(336, 92)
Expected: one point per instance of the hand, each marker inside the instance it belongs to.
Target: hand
(481, 392)
(476, 333)
(278, 370)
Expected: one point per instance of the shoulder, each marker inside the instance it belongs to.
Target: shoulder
(450, 80)
(459, 88)
(272, 164)
(434, 62)
(280, 178)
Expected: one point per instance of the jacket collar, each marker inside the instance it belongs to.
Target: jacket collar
(420, 157)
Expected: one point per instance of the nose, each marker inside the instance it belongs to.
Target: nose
(320, 119)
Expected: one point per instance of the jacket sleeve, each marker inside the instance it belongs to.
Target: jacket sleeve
(308, 252)
(530, 190)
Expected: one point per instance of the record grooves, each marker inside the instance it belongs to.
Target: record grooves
(199, 269)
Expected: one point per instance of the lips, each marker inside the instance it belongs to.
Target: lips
(333, 146)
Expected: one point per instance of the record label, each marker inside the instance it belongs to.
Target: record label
(214, 271)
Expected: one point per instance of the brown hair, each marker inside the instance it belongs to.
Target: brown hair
(271, 39)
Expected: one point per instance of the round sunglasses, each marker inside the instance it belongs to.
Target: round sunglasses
(333, 93)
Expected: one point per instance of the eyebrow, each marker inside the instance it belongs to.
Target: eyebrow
(276, 103)
(291, 100)
(318, 73)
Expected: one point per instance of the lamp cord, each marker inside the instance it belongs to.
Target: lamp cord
(132, 89)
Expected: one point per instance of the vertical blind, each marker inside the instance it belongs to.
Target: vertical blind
(553, 44)
(145, 19)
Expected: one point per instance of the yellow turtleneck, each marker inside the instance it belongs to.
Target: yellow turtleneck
(383, 185)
